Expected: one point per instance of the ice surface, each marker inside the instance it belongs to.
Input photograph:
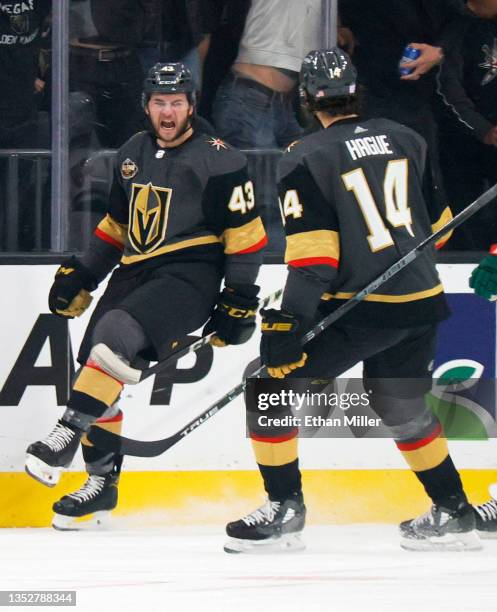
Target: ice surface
(349, 568)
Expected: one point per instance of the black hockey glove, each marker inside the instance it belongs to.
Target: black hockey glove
(281, 349)
(69, 295)
(233, 320)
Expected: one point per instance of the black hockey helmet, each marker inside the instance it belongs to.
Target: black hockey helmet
(327, 73)
(170, 78)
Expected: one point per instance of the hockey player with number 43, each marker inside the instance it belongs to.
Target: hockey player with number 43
(356, 196)
(181, 217)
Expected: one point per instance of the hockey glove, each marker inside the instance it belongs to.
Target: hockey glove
(233, 320)
(69, 295)
(484, 278)
(281, 350)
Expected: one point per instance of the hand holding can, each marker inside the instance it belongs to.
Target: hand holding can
(409, 54)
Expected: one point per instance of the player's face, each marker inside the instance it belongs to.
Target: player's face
(170, 115)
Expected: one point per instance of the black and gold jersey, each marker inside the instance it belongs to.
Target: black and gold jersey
(355, 198)
(188, 203)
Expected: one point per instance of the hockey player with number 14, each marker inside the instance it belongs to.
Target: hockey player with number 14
(181, 216)
(356, 196)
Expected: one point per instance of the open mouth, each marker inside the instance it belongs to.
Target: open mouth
(167, 125)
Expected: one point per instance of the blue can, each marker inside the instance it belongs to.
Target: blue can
(409, 54)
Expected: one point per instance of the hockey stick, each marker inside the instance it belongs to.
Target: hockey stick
(126, 446)
(193, 346)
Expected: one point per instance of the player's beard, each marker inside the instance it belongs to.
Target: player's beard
(180, 130)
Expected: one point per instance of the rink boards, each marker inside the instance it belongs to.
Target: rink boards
(210, 476)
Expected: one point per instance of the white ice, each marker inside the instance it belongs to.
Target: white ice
(344, 568)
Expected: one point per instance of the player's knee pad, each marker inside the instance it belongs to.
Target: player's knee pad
(407, 418)
(121, 333)
(261, 422)
(113, 364)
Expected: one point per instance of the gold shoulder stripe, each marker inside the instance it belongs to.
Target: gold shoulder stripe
(317, 244)
(112, 231)
(238, 239)
(445, 217)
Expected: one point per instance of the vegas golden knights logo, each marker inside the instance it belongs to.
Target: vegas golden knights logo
(149, 210)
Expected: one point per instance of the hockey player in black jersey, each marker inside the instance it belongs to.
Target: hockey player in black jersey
(355, 197)
(181, 217)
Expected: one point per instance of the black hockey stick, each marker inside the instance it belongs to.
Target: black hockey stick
(197, 344)
(126, 446)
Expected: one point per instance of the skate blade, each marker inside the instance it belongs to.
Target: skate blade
(41, 471)
(287, 543)
(454, 542)
(90, 522)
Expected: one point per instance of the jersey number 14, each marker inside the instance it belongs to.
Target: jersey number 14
(395, 195)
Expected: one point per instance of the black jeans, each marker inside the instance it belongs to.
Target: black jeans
(116, 88)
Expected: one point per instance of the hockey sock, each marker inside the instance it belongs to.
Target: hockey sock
(92, 394)
(277, 458)
(443, 484)
(282, 482)
(98, 461)
(430, 461)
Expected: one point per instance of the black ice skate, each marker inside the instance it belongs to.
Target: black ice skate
(47, 458)
(441, 529)
(89, 507)
(274, 527)
(486, 516)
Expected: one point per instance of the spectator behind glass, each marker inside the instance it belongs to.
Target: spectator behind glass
(104, 63)
(468, 85)
(382, 29)
(178, 31)
(228, 21)
(254, 105)
(21, 29)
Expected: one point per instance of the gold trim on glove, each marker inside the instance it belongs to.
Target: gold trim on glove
(282, 370)
(77, 306)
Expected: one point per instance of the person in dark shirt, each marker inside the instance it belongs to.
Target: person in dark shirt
(227, 23)
(467, 84)
(178, 31)
(382, 29)
(104, 63)
(21, 29)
